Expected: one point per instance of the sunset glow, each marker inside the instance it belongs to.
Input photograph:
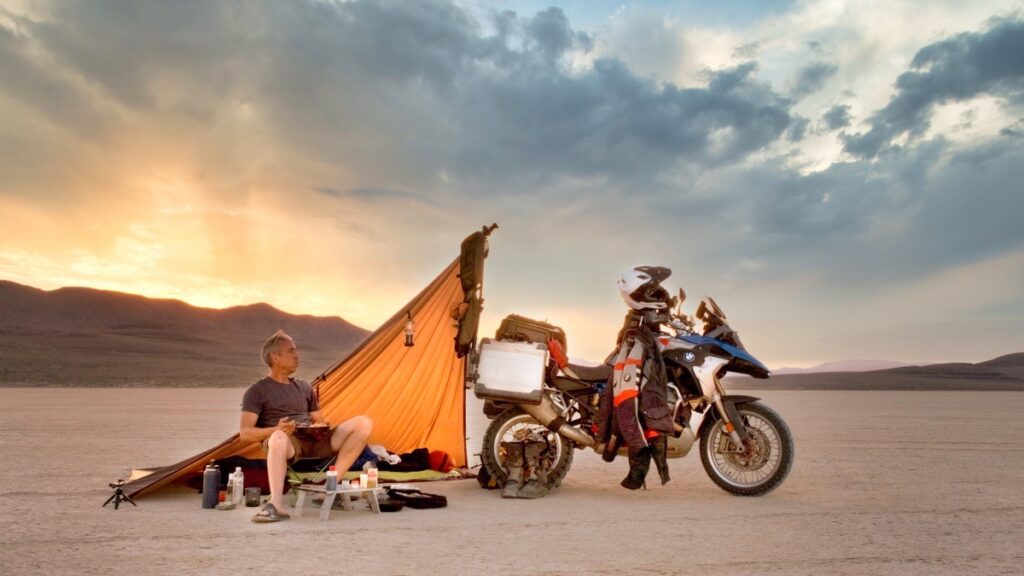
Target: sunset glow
(845, 185)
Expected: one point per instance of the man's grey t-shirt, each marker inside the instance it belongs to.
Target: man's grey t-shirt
(271, 400)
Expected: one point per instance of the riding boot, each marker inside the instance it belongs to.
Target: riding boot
(611, 449)
(537, 483)
(639, 464)
(659, 453)
(514, 462)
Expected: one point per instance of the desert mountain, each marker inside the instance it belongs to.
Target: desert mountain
(1002, 373)
(843, 366)
(87, 337)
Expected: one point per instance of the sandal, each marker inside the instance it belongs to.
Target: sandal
(270, 513)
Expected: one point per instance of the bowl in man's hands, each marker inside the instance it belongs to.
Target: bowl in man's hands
(312, 432)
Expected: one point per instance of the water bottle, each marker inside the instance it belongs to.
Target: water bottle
(371, 477)
(211, 485)
(239, 490)
(332, 480)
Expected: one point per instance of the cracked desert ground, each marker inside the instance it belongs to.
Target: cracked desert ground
(884, 483)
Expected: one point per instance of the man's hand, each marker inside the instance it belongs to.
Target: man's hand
(286, 425)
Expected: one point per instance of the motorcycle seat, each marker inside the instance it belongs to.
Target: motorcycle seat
(599, 373)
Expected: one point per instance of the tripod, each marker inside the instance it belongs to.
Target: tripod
(119, 496)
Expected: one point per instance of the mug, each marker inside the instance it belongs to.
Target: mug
(252, 496)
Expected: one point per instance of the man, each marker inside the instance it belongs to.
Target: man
(274, 406)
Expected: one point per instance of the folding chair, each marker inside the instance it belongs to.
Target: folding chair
(308, 470)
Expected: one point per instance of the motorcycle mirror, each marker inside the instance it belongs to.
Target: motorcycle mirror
(678, 302)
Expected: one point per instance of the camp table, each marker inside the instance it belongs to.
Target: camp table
(330, 495)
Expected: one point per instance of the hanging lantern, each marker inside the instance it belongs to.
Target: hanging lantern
(410, 331)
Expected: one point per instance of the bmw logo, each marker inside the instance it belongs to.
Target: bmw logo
(689, 356)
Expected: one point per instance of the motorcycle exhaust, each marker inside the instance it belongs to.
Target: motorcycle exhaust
(546, 414)
(678, 446)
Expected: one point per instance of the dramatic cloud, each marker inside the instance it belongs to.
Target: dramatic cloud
(960, 68)
(209, 149)
(340, 83)
(837, 117)
(811, 78)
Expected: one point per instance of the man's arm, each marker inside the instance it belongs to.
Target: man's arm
(318, 417)
(249, 432)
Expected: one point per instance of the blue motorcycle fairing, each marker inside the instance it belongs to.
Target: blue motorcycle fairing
(697, 339)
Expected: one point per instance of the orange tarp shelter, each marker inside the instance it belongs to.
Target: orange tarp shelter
(414, 394)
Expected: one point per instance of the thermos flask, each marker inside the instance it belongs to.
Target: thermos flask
(211, 485)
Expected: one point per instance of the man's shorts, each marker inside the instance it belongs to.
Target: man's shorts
(307, 449)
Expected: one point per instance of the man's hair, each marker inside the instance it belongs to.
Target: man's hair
(272, 344)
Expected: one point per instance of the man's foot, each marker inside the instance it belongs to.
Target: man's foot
(270, 513)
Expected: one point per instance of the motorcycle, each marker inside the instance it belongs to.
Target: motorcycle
(745, 446)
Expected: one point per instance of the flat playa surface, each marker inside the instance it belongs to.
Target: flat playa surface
(884, 483)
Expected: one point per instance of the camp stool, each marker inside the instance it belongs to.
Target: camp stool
(329, 496)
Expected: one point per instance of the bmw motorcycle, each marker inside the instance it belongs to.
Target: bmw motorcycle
(745, 446)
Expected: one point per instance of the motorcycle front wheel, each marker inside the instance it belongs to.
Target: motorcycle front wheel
(514, 425)
(761, 464)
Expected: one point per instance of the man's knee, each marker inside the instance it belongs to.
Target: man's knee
(359, 426)
(278, 443)
(364, 424)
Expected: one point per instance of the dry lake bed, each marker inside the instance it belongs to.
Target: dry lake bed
(884, 483)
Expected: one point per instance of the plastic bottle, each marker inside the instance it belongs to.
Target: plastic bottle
(211, 485)
(239, 486)
(371, 477)
(332, 480)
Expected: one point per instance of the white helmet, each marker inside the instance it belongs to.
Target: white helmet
(641, 288)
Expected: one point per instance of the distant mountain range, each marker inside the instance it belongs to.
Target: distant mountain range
(87, 337)
(844, 366)
(1002, 373)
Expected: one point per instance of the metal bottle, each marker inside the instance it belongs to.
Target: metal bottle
(211, 485)
(332, 480)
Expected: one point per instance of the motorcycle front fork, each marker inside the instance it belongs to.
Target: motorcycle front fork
(731, 421)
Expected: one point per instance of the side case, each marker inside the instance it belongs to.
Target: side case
(511, 371)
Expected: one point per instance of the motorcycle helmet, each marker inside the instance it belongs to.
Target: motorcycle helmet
(641, 288)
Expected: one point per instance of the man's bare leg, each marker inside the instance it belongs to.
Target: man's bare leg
(279, 451)
(349, 439)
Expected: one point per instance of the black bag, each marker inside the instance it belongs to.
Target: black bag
(523, 329)
(485, 480)
(413, 498)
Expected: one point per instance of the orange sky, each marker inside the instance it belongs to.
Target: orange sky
(303, 154)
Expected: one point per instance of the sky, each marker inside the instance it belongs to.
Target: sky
(844, 177)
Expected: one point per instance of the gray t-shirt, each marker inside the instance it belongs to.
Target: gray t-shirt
(271, 401)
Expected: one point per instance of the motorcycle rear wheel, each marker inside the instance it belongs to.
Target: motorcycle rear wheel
(504, 429)
(762, 465)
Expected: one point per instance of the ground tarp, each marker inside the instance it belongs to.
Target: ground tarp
(415, 395)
